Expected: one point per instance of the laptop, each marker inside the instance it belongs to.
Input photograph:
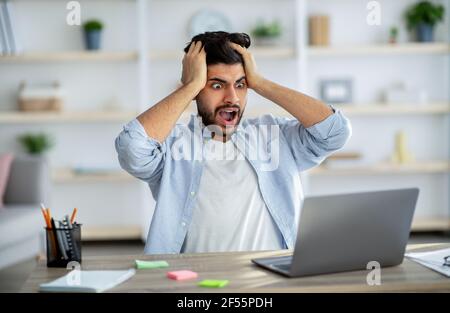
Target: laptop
(345, 232)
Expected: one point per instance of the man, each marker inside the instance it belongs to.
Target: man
(221, 194)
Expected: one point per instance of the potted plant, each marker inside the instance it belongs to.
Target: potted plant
(92, 34)
(36, 144)
(266, 33)
(422, 17)
(393, 34)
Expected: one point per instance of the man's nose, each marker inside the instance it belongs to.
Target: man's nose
(231, 96)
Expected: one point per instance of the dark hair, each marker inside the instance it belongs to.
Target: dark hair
(217, 48)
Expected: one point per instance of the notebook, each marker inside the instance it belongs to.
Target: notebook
(87, 281)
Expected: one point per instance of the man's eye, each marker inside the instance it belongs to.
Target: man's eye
(216, 86)
(240, 85)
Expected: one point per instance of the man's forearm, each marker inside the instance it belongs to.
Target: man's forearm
(159, 120)
(307, 110)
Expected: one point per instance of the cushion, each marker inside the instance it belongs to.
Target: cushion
(5, 167)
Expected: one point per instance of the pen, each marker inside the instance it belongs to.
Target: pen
(59, 239)
(64, 238)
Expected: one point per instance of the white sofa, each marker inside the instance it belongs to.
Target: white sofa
(21, 222)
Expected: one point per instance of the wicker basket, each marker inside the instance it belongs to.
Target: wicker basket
(41, 98)
(51, 104)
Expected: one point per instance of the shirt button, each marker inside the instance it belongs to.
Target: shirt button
(192, 193)
(184, 224)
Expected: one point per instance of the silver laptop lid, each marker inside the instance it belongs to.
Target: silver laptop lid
(346, 231)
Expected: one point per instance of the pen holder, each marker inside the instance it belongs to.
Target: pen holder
(63, 245)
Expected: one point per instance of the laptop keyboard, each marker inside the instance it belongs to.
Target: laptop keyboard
(283, 266)
(284, 263)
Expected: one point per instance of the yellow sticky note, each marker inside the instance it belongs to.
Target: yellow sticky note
(213, 283)
(150, 264)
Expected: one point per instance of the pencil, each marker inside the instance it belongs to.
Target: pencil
(74, 213)
(45, 218)
(46, 215)
(53, 248)
(49, 215)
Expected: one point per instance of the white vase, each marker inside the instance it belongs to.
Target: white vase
(267, 41)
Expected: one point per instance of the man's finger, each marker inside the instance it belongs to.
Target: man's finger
(237, 47)
(198, 47)
(191, 48)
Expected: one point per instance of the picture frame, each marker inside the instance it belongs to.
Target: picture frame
(336, 91)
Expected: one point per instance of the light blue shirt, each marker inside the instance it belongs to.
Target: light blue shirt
(277, 148)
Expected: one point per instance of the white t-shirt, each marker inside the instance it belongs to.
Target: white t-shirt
(229, 213)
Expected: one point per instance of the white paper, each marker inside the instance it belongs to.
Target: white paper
(87, 281)
(433, 260)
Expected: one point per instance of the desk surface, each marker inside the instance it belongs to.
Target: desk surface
(247, 277)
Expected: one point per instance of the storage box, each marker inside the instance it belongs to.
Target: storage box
(319, 30)
(40, 98)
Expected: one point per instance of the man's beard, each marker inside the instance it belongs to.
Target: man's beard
(209, 117)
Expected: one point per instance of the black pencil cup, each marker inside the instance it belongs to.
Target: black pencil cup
(63, 245)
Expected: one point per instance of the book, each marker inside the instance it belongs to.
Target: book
(87, 281)
(11, 28)
(3, 30)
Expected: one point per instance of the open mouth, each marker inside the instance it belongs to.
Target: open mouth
(228, 116)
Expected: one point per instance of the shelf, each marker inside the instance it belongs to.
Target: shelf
(394, 109)
(422, 224)
(119, 56)
(118, 232)
(377, 109)
(429, 167)
(66, 175)
(121, 232)
(10, 117)
(64, 56)
(262, 52)
(380, 49)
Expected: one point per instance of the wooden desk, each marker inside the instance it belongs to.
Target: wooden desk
(247, 277)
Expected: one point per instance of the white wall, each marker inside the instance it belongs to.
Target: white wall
(92, 85)
(88, 86)
(427, 135)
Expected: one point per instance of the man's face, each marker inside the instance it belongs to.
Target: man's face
(222, 101)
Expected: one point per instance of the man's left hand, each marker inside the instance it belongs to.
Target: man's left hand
(251, 74)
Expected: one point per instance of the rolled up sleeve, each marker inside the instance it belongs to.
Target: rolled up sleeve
(310, 146)
(138, 154)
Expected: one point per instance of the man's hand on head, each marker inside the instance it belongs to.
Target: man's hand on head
(252, 76)
(194, 66)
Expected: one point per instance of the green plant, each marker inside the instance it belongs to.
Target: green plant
(424, 12)
(93, 25)
(393, 32)
(270, 30)
(36, 143)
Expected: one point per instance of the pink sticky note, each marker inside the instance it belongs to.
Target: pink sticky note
(182, 275)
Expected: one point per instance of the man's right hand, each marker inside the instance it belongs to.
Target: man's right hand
(194, 66)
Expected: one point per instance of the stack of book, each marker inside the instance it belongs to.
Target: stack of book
(8, 29)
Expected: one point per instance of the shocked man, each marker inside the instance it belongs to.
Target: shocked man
(237, 186)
